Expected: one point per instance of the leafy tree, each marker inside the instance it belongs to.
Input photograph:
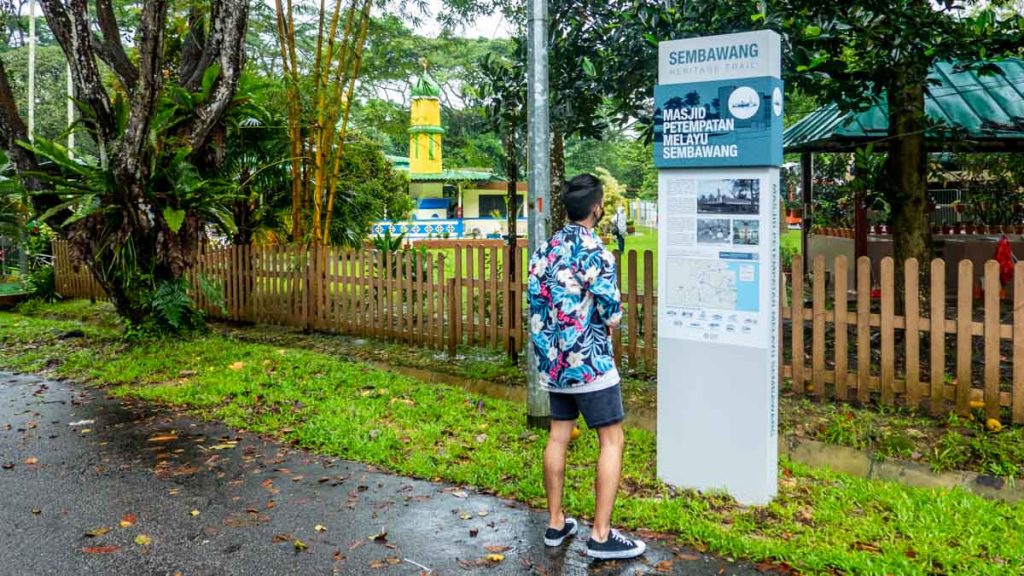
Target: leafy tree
(623, 156)
(135, 215)
(576, 91)
(320, 86)
(883, 51)
(854, 54)
(51, 93)
(370, 189)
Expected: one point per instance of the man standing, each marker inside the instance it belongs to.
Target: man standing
(574, 302)
(619, 226)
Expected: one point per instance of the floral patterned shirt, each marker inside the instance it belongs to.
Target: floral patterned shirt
(573, 297)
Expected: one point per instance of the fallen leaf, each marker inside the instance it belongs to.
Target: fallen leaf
(163, 438)
(389, 561)
(381, 536)
(185, 470)
(495, 557)
(97, 532)
(483, 513)
(194, 512)
(865, 547)
(283, 538)
(143, 540)
(8, 465)
(237, 366)
(465, 515)
(37, 511)
(320, 528)
(496, 549)
(101, 549)
(225, 446)
(663, 566)
(31, 461)
(81, 423)
(473, 532)
(688, 557)
(299, 545)
(128, 520)
(460, 494)
(481, 438)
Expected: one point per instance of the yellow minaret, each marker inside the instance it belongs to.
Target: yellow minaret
(425, 131)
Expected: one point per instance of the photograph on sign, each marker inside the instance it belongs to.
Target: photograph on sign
(713, 231)
(745, 232)
(729, 196)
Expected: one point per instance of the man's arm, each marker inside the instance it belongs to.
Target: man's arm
(604, 286)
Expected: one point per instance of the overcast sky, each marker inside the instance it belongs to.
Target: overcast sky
(492, 26)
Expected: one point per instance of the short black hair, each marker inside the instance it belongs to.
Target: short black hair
(580, 195)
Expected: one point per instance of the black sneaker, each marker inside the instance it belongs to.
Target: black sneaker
(616, 547)
(554, 537)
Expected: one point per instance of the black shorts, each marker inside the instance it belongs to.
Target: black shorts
(600, 408)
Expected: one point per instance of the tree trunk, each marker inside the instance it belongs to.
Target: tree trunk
(128, 244)
(557, 179)
(906, 170)
(510, 262)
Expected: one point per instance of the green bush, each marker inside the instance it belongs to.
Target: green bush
(786, 255)
(42, 283)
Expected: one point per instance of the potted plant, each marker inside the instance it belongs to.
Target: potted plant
(630, 226)
(496, 214)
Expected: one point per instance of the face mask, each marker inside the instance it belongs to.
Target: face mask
(599, 216)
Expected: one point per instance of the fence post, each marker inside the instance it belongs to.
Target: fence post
(842, 311)
(911, 332)
(1017, 399)
(937, 334)
(818, 326)
(964, 336)
(453, 319)
(796, 308)
(863, 329)
(888, 340)
(992, 287)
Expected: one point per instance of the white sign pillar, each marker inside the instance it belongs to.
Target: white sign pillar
(718, 148)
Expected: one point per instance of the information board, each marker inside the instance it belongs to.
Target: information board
(718, 148)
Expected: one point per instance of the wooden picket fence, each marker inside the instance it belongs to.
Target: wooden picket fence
(74, 280)
(834, 344)
(461, 295)
(897, 359)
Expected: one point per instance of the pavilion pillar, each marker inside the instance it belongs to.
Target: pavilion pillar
(807, 188)
(860, 225)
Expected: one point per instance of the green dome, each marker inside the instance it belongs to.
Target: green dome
(426, 87)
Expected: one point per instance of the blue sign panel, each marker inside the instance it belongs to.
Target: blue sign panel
(723, 123)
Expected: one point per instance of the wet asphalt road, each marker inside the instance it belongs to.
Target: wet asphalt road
(212, 500)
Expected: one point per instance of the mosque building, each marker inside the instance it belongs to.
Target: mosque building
(453, 202)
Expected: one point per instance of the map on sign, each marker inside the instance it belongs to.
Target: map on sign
(715, 284)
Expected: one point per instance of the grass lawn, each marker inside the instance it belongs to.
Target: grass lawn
(791, 238)
(821, 522)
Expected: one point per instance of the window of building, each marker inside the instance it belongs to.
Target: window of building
(491, 202)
